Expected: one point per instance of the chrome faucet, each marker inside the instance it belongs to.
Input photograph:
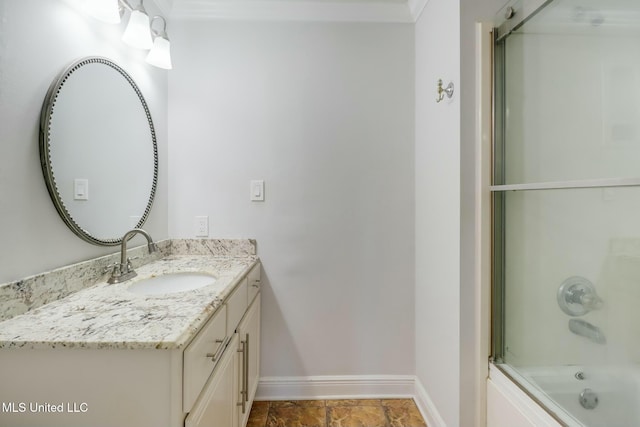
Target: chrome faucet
(122, 270)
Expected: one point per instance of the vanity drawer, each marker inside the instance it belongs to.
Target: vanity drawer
(236, 306)
(253, 283)
(202, 355)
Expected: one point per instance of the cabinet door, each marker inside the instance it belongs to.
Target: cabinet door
(202, 355)
(253, 282)
(216, 406)
(249, 332)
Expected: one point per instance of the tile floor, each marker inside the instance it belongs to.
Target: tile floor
(336, 413)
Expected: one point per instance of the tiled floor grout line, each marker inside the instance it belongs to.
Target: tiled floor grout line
(401, 409)
(326, 414)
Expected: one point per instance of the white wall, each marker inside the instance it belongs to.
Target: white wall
(437, 193)
(37, 40)
(447, 339)
(324, 114)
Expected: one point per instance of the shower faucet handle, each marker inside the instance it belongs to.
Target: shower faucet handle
(577, 296)
(592, 301)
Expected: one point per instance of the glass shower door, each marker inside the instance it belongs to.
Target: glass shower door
(567, 207)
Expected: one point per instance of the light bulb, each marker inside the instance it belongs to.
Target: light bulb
(160, 53)
(138, 33)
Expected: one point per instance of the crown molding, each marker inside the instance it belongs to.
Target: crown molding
(416, 7)
(287, 10)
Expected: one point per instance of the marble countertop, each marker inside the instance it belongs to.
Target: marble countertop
(109, 316)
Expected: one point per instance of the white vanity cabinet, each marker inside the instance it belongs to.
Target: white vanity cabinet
(205, 384)
(217, 401)
(249, 361)
(226, 398)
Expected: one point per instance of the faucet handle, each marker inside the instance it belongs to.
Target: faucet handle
(113, 268)
(128, 266)
(577, 296)
(592, 301)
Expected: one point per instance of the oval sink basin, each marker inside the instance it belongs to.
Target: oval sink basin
(171, 283)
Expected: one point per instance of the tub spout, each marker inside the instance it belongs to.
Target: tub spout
(587, 330)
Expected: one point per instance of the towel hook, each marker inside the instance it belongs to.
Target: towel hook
(444, 90)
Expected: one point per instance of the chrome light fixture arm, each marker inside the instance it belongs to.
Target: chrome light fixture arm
(124, 4)
(159, 33)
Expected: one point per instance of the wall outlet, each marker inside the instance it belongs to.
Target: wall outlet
(202, 226)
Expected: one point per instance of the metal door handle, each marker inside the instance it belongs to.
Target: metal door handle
(243, 392)
(246, 371)
(216, 355)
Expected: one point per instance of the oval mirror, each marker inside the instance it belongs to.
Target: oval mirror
(98, 150)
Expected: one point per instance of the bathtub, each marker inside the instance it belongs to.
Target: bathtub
(588, 396)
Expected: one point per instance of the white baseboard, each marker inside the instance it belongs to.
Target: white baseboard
(427, 408)
(335, 387)
(351, 387)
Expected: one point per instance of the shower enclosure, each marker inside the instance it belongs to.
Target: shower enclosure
(566, 194)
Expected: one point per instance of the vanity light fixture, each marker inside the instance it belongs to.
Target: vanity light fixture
(139, 32)
(160, 53)
(104, 10)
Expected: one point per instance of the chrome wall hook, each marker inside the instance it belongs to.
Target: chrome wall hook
(444, 90)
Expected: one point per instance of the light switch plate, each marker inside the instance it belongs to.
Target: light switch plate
(80, 189)
(257, 190)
